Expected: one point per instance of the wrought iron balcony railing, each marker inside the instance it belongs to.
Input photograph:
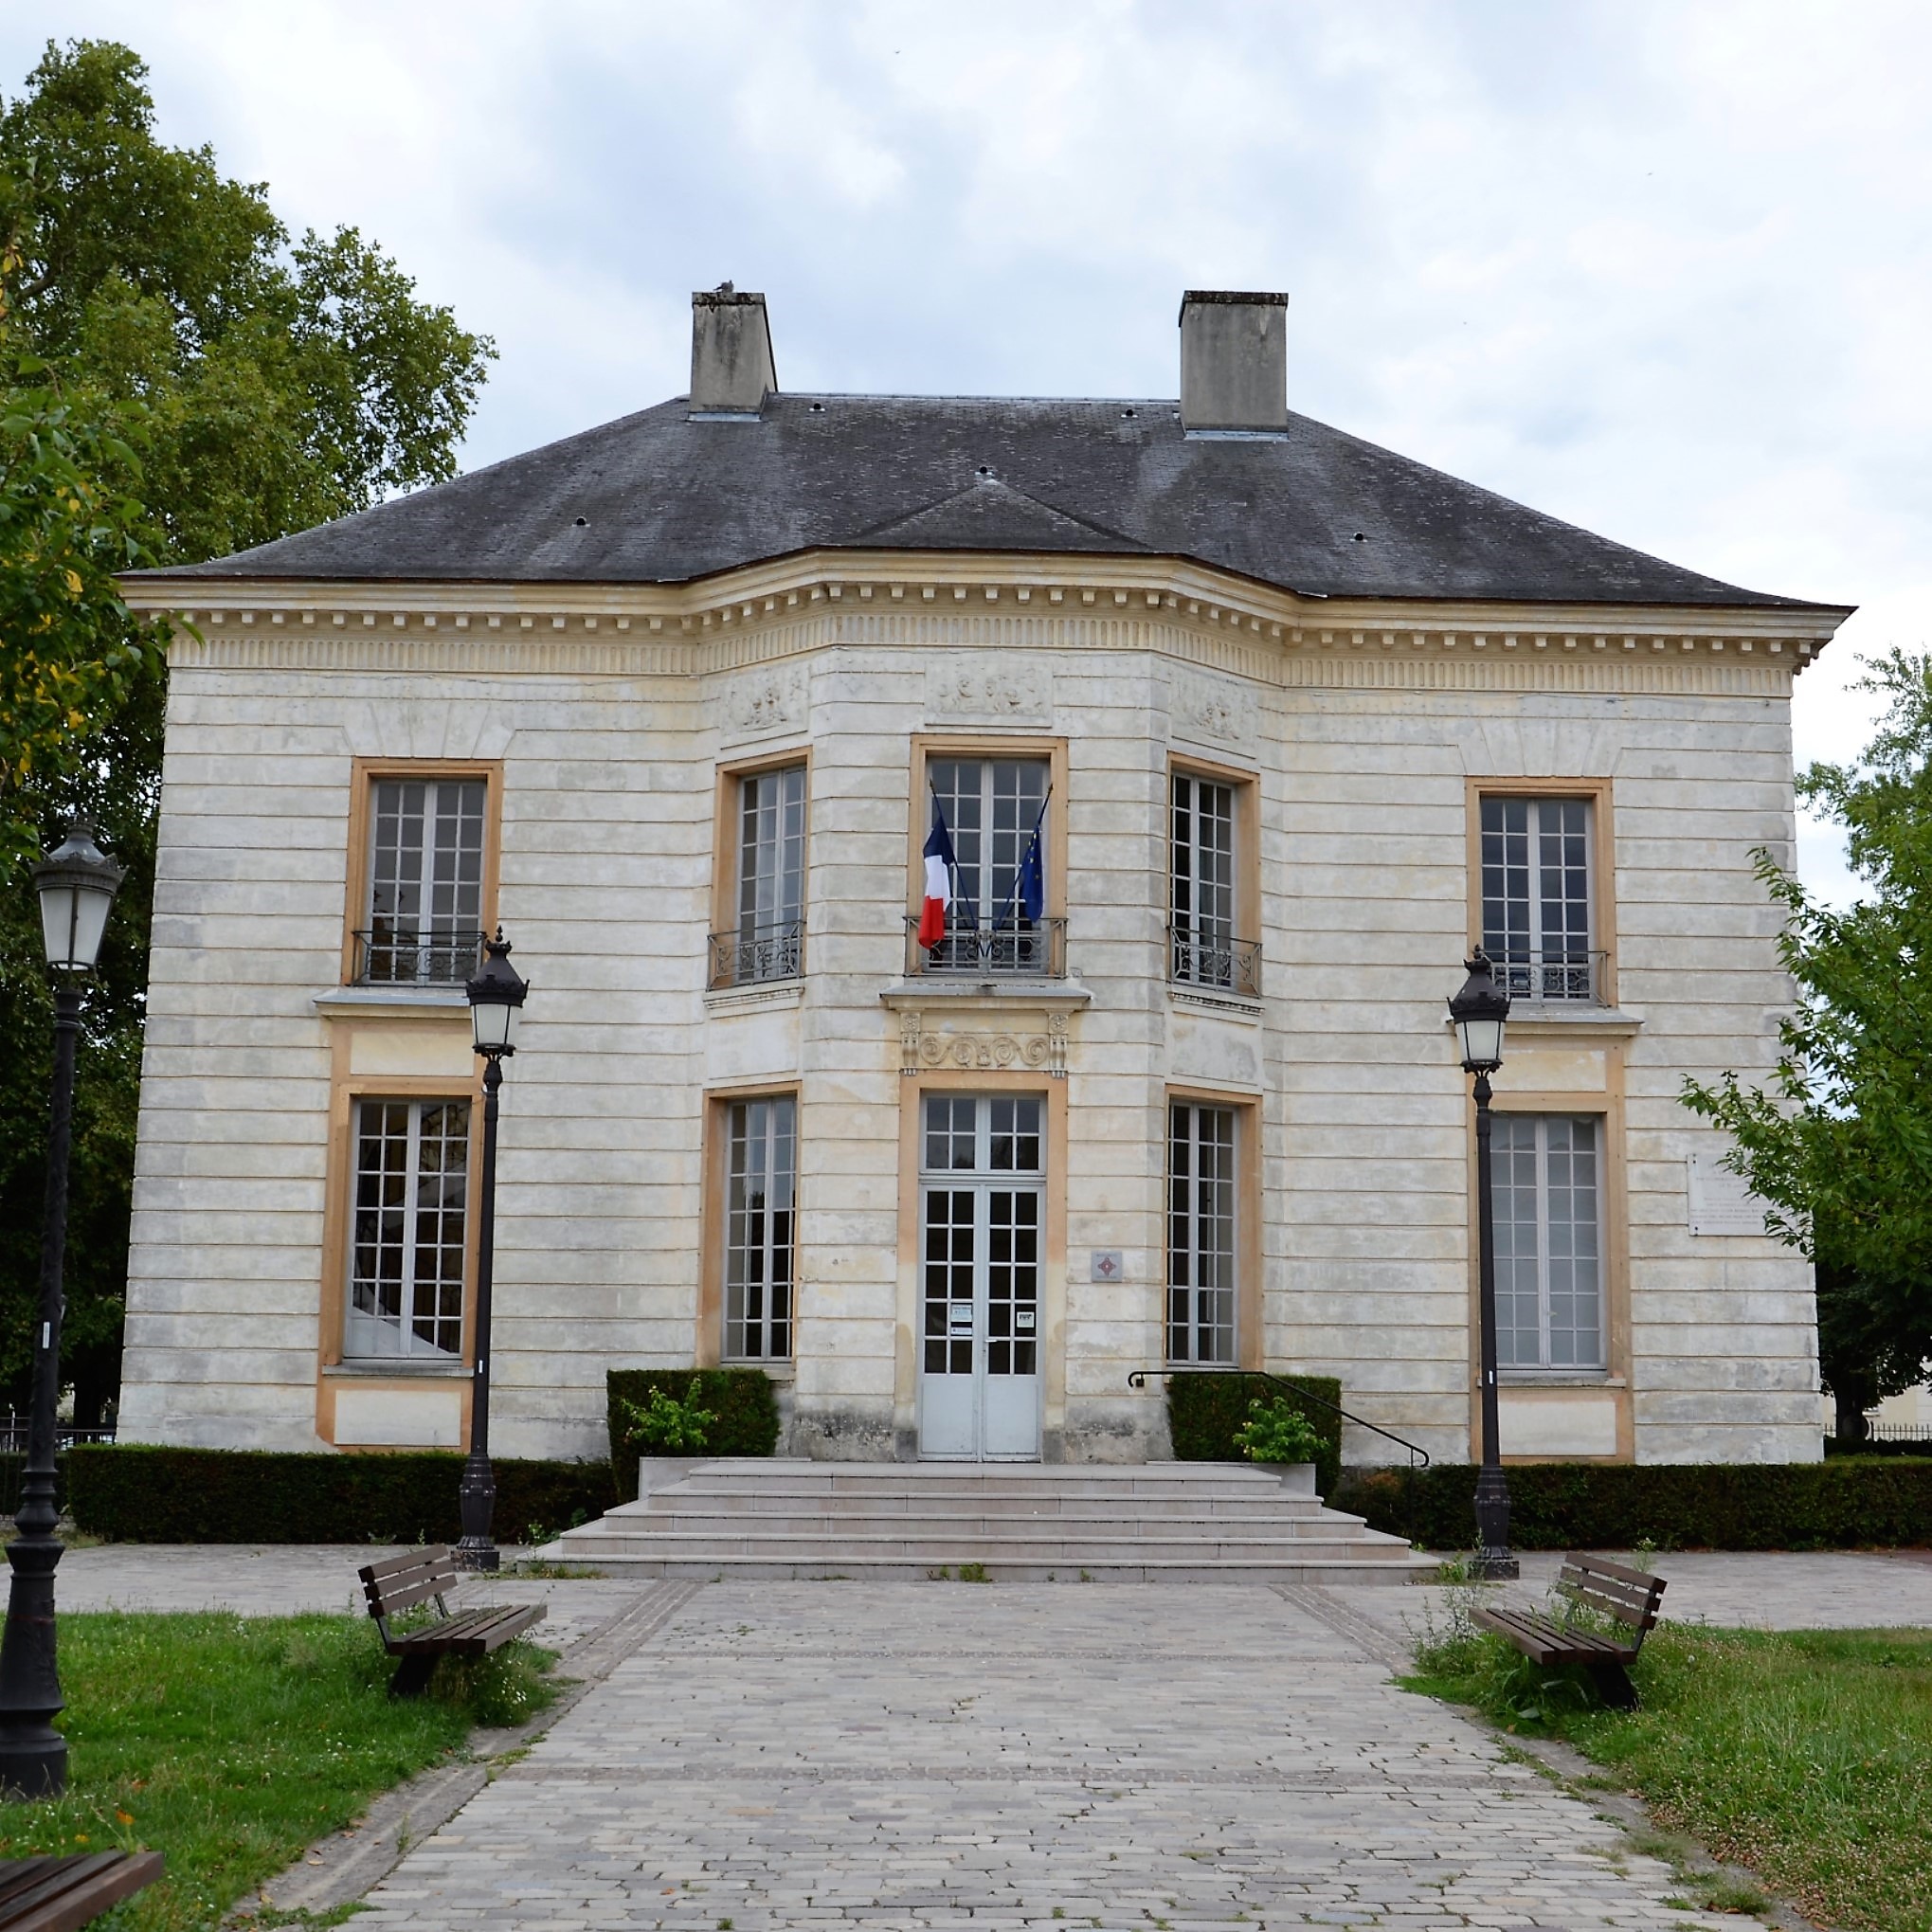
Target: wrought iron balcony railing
(751, 955)
(1213, 964)
(416, 956)
(1569, 975)
(1035, 952)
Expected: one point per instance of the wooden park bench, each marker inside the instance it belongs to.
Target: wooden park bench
(62, 1894)
(400, 1583)
(1593, 1584)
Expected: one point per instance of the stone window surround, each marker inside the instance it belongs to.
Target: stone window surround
(730, 773)
(1600, 792)
(1246, 784)
(441, 1017)
(708, 1343)
(1250, 1352)
(364, 775)
(1606, 1103)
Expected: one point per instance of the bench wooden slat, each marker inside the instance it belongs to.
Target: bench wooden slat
(63, 1894)
(391, 1599)
(1622, 1572)
(431, 1556)
(469, 1633)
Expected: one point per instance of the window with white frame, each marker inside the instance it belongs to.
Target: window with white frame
(1202, 1232)
(761, 1193)
(768, 942)
(1537, 892)
(1547, 1192)
(406, 1245)
(1203, 947)
(992, 807)
(425, 881)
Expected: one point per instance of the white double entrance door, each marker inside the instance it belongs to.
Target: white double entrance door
(981, 1214)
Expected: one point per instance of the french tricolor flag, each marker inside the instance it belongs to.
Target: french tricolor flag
(939, 864)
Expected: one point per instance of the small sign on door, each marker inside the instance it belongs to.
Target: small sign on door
(1022, 1321)
(958, 1315)
(1108, 1264)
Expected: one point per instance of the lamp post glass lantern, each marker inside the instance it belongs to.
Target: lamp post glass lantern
(76, 883)
(1479, 1012)
(496, 998)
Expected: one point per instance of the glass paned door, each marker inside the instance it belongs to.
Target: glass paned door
(982, 1211)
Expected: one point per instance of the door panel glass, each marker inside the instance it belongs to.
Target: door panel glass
(981, 1214)
(949, 1280)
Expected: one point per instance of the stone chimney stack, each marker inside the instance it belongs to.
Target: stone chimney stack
(1233, 361)
(732, 373)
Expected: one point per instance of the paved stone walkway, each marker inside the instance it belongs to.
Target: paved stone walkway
(937, 1754)
(929, 1755)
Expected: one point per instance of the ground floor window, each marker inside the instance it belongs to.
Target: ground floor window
(1547, 1192)
(1202, 1252)
(406, 1287)
(761, 1193)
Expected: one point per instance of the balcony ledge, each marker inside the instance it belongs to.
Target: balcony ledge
(421, 1002)
(962, 990)
(1550, 1018)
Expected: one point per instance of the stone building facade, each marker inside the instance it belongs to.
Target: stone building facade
(677, 703)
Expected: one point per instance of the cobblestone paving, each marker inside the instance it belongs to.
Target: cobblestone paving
(941, 1754)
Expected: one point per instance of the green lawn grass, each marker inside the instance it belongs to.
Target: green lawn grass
(1805, 1755)
(230, 1743)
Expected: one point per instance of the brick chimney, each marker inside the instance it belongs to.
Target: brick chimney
(732, 373)
(1233, 361)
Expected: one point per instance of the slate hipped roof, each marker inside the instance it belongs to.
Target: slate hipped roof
(661, 496)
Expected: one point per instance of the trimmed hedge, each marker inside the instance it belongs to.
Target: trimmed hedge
(742, 1399)
(143, 1494)
(13, 1467)
(1206, 1406)
(1848, 1502)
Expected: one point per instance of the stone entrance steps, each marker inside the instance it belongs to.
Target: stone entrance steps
(1029, 1523)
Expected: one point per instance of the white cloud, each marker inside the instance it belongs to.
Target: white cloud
(1658, 267)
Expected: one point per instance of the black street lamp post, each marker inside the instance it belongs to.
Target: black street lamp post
(495, 999)
(1479, 1010)
(76, 884)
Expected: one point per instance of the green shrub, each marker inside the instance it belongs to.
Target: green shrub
(1275, 1430)
(668, 1427)
(743, 1408)
(145, 1494)
(1207, 1409)
(1847, 1503)
(13, 1467)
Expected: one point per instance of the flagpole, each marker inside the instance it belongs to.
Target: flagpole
(1019, 870)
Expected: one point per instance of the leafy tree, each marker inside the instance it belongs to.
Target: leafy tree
(1840, 1141)
(184, 352)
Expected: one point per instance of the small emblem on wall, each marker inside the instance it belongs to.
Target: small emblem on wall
(1106, 1264)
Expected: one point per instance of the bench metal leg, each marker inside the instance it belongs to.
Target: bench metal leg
(1613, 1686)
(413, 1674)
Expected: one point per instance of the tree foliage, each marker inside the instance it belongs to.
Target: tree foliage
(183, 380)
(1840, 1140)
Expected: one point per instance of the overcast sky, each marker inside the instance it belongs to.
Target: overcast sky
(1661, 270)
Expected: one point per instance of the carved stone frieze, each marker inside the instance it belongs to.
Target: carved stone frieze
(759, 704)
(991, 1051)
(1215, 709)
(981, 691)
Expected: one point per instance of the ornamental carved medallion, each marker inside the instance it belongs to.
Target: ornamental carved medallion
(921, 1051)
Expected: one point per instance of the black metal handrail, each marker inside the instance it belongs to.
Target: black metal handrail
(416, 956)
(1035, 952)
(1137, 1379)
(1216, 965)
(749, 955)
(1549, 973)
